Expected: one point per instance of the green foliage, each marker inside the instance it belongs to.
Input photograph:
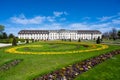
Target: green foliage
(27, 41)
(21, 40)
(79, 40)
(98, 40)
(11, 36)
(14, 42)
(5, 35)
(33, 40)
(6, 40)
(1, 28)
(118, 33)
(70, 40)
(1, 36)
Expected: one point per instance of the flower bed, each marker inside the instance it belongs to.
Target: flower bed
(70, 72)
(88, 47)
(10, 64)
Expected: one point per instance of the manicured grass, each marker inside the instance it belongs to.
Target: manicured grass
(108, 70)
(53, 47)
(35, 65)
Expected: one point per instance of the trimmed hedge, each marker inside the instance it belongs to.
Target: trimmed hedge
(6, 40)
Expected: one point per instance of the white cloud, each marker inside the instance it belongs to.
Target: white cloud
(116, 21)
(23, 20)
(50, 19)
(65, 13)
(105, 18)
(79, 26)
(58, 14)
(58, 21)
(62, 19)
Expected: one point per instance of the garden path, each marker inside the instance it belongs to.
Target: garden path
(5, 45)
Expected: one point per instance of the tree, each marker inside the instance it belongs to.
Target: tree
(4, 35)
(98, 40)
(11, 35)
(14, 42)
(70, 40)
(118, 34)
(32, 40)
(114, 34)
(79, 40)
(1, 36)
(106, 35)
(1, 28)
(27, 41)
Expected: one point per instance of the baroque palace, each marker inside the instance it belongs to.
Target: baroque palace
(59, 34)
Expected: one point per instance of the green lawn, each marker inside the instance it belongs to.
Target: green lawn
(53, 47)
(34, 65)
(108, 70)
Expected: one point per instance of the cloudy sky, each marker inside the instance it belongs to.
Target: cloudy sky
(101, 15)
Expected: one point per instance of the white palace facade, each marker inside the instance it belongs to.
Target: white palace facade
(59, 34)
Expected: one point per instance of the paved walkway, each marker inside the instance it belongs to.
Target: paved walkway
(4, 45)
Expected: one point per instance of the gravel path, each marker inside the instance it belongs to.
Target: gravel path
(4, 45)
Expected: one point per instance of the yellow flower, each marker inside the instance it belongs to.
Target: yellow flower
(92, 47)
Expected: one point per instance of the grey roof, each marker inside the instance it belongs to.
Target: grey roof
(88, 32)
(34, 32)
(47, 31)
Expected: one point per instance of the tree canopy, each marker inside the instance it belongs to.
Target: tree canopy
(1, 28)
(11, 35)
(118, 33)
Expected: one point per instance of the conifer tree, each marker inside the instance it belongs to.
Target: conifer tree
(14, 42)
(79, 40)
(98, 40)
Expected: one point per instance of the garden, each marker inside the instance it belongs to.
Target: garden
(60, 60)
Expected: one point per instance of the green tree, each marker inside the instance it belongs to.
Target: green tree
(70, 40)
(32, 40)
(79, 40)
(14, 42)
(114, 34)
(27, 41)
(1, 36)
(98, 40)
(118, 34)
(1, 28)
(11, 36)
(5, 35)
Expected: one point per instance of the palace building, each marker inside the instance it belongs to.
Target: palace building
(59, 34)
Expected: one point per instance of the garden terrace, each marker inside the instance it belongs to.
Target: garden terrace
(36, 65)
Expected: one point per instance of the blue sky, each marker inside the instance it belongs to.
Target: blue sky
(101, 15)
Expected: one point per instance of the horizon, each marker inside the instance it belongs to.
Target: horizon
(102, 15)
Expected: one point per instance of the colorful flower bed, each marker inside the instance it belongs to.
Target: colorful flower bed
(70, 72)
(89, 47)
(10, 64)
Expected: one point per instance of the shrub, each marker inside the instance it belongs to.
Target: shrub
(14, 42)
(79, 40)
(98, 40)
(6, 40)
(27, 41)
(70, 39)
(32, 40)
